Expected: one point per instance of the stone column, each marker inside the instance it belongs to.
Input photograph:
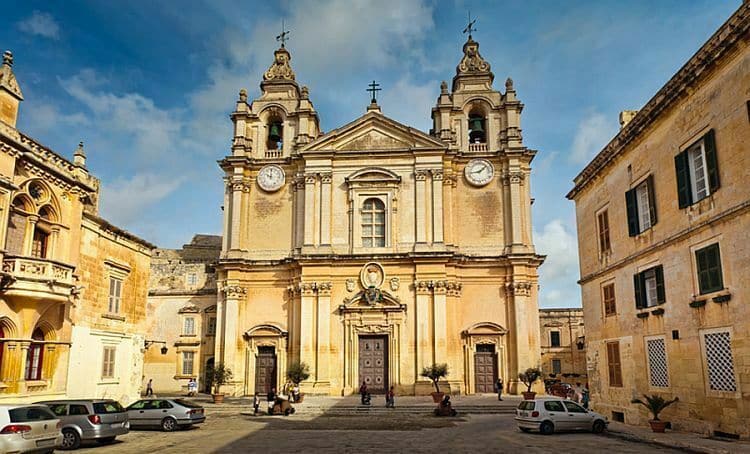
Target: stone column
(309, 220)
(514, 179)
(323, 360)
(236, 218)
(233, 294)
(437, 206)
(420, 177)
(28, 238)
(53, 242)
(325, 209)
(439, 302)
(422, 354)
(307, 325)
(524, 348)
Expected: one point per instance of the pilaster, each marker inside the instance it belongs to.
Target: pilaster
(309, 218)
(437, 206)
(323, 360)
(325, 209)
(420, 177)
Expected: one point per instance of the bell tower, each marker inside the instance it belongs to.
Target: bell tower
(282, 119)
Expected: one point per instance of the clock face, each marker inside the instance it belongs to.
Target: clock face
(271, 178)
(479, 172)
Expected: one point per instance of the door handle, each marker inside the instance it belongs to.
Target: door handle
(140, 411)
(164, 411)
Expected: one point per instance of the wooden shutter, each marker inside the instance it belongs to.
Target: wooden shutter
(701, 261)
(712, 165)
(640, 293)
(708, 261)
(682, 170)
(660, 293)
(651, 199)
(604, 242)
(610, 307)
(613, 364)
(632, 208)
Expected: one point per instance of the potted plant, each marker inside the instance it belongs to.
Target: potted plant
(435, 372)
(297, 372)
(218, 375)
(655, 404)
(529, 377)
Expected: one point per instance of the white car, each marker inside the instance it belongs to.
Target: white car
(28, 428)
(548, 414)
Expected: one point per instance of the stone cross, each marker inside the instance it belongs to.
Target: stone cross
(373, 89)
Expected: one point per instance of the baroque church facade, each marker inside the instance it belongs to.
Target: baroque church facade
(375, 249)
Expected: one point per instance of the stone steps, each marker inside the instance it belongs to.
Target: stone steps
(365, 411)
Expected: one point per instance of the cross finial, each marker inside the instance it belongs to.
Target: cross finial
(373, 89)
(284, 36)
(470, 28)
(8, 58)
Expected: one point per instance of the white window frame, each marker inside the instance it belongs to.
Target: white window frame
(115, 298)
(697, 155)
(192, 279)
(361, 197)
(373, 224)
(109, 356)
(652, 296)
(185, 362)
(188, 326)
(706, 372)
(644, 209)
(646, 342)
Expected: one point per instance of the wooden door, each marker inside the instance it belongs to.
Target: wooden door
(373, 360)
(265, 370)
(485, 369)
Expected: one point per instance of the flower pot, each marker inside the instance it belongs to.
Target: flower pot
(218, 398)
(529, 395)
(658, 426)
(437, 397)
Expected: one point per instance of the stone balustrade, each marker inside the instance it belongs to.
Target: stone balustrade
(477, 147)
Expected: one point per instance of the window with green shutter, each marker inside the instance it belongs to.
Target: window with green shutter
(640, 204)
(708, 263)
(697, 171)
(649, 287)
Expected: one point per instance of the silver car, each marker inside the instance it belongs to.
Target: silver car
(28, 428)
(168, 414)
(89, 419)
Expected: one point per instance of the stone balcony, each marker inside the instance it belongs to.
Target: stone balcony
(36, 278)
(478, 147)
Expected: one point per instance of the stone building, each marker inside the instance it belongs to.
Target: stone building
(663, 217)
(73, 286)
(563, 344)
(376, 249)
(182, 314)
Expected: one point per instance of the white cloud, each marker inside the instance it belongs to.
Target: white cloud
(593, 133)
(41, 24)
(415, 112)
(45, 117)
(124, 200)
(559, 272)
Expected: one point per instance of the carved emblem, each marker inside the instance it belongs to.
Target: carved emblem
(350, 285)
(395, 283)
(280, 68)
(372, 296)
(472, 61)
(372, 275)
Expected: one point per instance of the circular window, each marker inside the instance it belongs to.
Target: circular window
(36, 191)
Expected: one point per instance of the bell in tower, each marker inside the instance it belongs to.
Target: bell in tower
(476, 128)
(274, 135)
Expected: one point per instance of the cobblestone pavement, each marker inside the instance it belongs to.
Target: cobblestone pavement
(300, 433)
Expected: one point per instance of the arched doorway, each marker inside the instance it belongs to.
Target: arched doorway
(206, 375)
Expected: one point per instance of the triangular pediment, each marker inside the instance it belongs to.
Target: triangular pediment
(373, 132)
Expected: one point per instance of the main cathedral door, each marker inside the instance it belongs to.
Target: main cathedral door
(265, 370)
(485, 369)
(373, 357)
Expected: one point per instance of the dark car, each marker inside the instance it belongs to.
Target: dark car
(89, 419)
(168, 414)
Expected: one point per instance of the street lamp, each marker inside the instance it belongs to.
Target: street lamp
(148, 343)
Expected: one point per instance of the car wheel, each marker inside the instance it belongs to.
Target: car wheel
(546, 428)
(525, 429)
(71, 439)
(105, 440)
(598, 426)
(168, 424)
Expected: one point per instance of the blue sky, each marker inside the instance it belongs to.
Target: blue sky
(148, 86)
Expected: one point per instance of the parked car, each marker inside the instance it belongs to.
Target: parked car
(89, 419)
(548, 414)
(28, 428)
(169, 414)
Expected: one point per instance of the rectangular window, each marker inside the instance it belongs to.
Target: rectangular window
(603, 224)
(39, 244)
(108, 362)
(192, 279)
(649, 287)
(708, 264)
(554, 338)
(613, 364)
(719, 361)
(658, 373)
(115, 295)
(697, 171)
(610, 308)
(211, 329)
(189, 326)
(187, 363)
(556, 366)
(641, 207)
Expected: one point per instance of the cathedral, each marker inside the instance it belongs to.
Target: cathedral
(376, 249)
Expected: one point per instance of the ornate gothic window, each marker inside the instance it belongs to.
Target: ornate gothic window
(35, 356)
(373, 223)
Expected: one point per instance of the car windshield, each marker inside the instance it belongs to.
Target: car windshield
(108, 407)
(28, 414)
(187, 403)
(526, 405)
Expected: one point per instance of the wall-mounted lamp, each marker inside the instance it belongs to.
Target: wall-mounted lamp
(148, 343)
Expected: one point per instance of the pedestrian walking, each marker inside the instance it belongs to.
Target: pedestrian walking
(499, 388)
(271, 397)
(390, 398)
(150, 387)
(363, 392)
(256, 403)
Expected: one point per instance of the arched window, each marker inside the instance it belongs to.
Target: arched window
(35, 356)
(373, 223)
(39, 243)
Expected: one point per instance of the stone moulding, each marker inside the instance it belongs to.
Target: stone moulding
(722, 298)
(642, 315)
(697, 303)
